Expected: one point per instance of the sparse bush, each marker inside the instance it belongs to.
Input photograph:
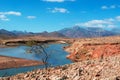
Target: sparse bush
(31, 43)
(40, 50)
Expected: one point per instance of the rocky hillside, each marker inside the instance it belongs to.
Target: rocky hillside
(90, 48)
(6, 34)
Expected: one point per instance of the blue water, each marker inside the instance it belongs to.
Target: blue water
(57, 57)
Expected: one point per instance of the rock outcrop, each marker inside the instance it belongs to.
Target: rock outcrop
(93, 48)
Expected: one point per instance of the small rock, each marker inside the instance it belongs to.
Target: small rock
(118, 78)
(80, 71)
(26, 75)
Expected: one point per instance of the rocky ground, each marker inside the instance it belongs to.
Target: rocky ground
(95, 59)
(93, 48)
(97, 69)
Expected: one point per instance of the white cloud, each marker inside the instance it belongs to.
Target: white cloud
(118, 18)
(106, 23)
(60, 10)
(57, 0)
(111, 26)
(3, 15)
(104, 7)
(113, 6)
(31, 17)
(110, 19)
(109, 7)
(11, 13)
(4, 18)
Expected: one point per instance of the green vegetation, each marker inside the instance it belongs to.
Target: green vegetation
(31, 43)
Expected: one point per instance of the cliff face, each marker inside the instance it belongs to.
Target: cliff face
(93, 48)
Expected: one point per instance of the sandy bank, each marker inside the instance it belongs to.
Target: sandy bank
(12, 62)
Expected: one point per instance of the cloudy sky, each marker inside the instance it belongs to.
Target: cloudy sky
(52, 15)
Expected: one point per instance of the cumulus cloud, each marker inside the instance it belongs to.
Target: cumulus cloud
(57, 0)
(104, 7)
(11, 13)
(110, 19)
(31, 17)
(105, 23)
(97, 23)
(118, 18)
(58, 10)
(113, 6)
(3, 15)
(4, 18)
(109, 7)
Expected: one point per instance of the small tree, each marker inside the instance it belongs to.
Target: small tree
(39, 49)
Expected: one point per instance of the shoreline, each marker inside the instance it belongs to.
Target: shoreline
(106, 69)
(7, 46)
(7, 62)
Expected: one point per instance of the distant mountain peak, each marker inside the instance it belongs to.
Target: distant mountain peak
(72, 32)
(78, 32)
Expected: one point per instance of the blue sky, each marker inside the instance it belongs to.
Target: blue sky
(52, 15)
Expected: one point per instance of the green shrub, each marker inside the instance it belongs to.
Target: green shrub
(31, 43)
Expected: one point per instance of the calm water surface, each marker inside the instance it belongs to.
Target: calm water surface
(57, 57)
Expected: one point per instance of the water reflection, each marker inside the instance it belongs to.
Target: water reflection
(57, 57)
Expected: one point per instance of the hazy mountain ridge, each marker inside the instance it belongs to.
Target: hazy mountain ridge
(21, 33)
(73, 32)
(116, 30)
(6, 34)
(78, 32)
(50, 34)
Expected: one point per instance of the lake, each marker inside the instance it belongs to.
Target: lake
(57, 57)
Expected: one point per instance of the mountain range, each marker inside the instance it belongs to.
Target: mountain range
(73, 32)
(79, 32)
(6, 34)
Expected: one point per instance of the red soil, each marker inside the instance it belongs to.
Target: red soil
(91, 51)
(103, 50)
